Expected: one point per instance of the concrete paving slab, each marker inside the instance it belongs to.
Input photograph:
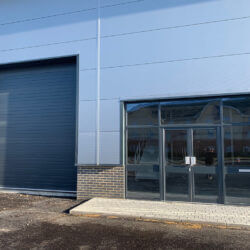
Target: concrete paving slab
(176, 211)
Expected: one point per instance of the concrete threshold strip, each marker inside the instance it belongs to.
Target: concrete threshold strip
(187, 214)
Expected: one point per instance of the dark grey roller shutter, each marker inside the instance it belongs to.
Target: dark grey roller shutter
(37, 126)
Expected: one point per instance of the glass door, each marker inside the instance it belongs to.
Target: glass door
(191, 164)
(176, 171)
(205, 171)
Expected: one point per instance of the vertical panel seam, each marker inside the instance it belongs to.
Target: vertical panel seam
(98, 86)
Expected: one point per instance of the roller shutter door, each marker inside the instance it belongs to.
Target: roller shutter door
(37, 126)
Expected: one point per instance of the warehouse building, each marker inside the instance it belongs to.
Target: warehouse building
(137, 99)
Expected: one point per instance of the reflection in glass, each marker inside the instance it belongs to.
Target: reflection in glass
(237, 187)
(236, 109)
(142, 113)
(205, 147)
(237, 162)
(237, 145)
(206, 187)
(205, 171)
(176, 170)
(190, 112)
(143, 149)
(143, 146)
(143, 182)
(176, 147)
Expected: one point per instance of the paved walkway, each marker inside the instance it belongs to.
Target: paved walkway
(176, 211)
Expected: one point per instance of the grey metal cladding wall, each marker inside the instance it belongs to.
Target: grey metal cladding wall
(37, 126)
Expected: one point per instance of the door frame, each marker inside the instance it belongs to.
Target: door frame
(189, 129)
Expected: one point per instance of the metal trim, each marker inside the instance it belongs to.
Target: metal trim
(77, 106)
(39, 59)
(190, 126)
(39, 191)
(122, 129)
(162, 98)
(98, 83)
(177, 126)
(126, 157)
(236, 124)
(122, 143)
(190, 150)
(223, 170)
(220, 170)
(95, 165)
(142, 126)
(162, 176)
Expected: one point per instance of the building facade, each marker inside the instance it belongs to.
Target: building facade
(140, 99)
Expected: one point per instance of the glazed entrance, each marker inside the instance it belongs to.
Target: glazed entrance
(191, 164)
(189, 150)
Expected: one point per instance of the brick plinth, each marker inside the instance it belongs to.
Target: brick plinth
(100, 181)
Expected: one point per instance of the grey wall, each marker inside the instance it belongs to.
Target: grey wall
(132, 49)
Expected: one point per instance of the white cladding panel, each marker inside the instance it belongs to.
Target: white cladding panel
(177, 44)
(87, 148)
(77, 27)
(145, 15)
(16, 11)
(223, 75)
(110, 148)
(85, 49)
(110, 115)
(87, 85)
(87, 116)
(149, 49)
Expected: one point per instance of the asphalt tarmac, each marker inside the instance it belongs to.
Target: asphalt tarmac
(35, 222)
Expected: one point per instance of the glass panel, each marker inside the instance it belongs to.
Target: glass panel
(236, 110)
(143, 146)
(143, 182)
(205, 147)
(142, 113)
(237, 145)
(190, 112)
(176, 170)
(205, 170)
(237, 163)
(176, 147)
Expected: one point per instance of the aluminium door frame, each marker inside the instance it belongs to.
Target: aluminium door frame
(220, 168)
